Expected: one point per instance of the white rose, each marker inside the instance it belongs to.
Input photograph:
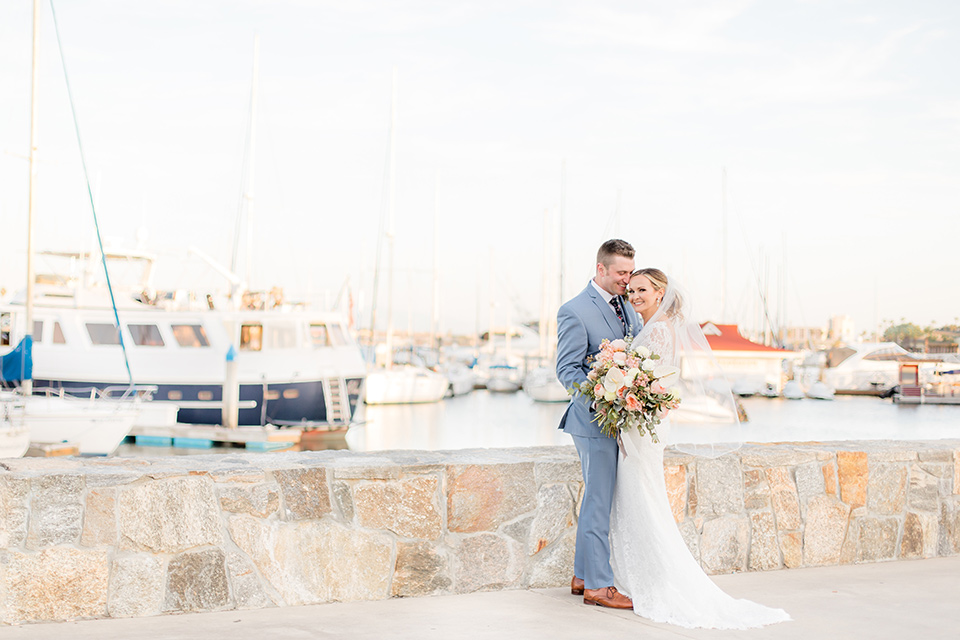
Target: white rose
(620, 357)
(642, 351)
(609, 396)
(649, 365)
(631, 376)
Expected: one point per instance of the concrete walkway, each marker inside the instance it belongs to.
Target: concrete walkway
(905, 600)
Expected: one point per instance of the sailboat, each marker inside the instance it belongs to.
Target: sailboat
(296, 366)
(461, 377)
(542, 383)
(393, 383)
(97, 426)
(14, 435)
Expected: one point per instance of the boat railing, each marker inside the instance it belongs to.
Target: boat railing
(112, 392)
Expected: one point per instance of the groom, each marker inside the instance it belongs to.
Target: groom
(598, 312)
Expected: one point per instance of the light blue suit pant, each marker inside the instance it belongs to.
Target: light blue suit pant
(598, 461)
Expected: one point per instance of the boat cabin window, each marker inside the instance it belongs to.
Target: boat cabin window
(838, 354)
(37, 331)
(146, 335)
(251, 337)
(887, 355)
(103, 333)
(282, 335)
(318, 335)
(190, 335)
(58, 334)
(5, 329)
(337, 337)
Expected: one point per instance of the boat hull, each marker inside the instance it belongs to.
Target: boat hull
(542, 385)
(14, 440)
(280, 403)
(405, 385)
(97, 428)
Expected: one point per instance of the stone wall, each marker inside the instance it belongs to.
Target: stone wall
(89, 538)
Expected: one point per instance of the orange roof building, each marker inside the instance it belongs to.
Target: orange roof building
(726, 337)
(745, 363)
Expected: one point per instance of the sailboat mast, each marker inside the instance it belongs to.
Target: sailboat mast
(723, 249)
(490, 344)
(563, 208)
(544, 280)
(390, 217)
(248, 196)
(27, 385)
(616, 215)
(435, 316)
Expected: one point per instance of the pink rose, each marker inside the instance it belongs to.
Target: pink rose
(618, 345)
(656, 387)
(633, 404)
(598, 390)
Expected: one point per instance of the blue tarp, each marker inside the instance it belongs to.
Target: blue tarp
(17, 366)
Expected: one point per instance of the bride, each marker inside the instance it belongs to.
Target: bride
(650, 561)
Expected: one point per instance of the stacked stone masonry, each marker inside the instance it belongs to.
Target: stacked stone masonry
(109, 537)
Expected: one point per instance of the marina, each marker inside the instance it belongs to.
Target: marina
(484, 419)
(281, 326)
(236, 364)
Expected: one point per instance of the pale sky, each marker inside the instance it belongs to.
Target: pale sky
(838, 123)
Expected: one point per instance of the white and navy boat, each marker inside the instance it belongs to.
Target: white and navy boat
(295, 367)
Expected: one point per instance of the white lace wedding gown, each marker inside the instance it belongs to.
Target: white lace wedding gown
(650, 561)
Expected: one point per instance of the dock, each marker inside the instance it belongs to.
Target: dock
(927, 398)
(202, 436)
(52, 449)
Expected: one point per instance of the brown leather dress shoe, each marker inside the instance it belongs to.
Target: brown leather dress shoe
(607, 597)
(576, 586)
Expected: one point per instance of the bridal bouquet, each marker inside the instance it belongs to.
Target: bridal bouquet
(630, 389)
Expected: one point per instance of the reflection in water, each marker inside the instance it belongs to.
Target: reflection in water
(491, 420)
(478, 419)
(481, 419)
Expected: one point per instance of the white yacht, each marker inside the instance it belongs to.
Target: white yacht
(296, 367)
(870, 368)
(405, 384)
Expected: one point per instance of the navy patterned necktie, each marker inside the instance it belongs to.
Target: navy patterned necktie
(615, 301)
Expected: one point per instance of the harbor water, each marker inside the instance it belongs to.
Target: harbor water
(490, 420)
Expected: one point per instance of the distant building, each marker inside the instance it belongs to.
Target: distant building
(841, 329)
(802, 338)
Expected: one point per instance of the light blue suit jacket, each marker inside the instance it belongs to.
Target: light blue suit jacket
(581, 324)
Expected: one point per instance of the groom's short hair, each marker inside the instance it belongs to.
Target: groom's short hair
(614, 247)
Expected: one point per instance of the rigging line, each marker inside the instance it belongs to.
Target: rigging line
(93, 209)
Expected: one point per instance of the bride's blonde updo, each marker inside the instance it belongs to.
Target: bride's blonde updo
(659, 281)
